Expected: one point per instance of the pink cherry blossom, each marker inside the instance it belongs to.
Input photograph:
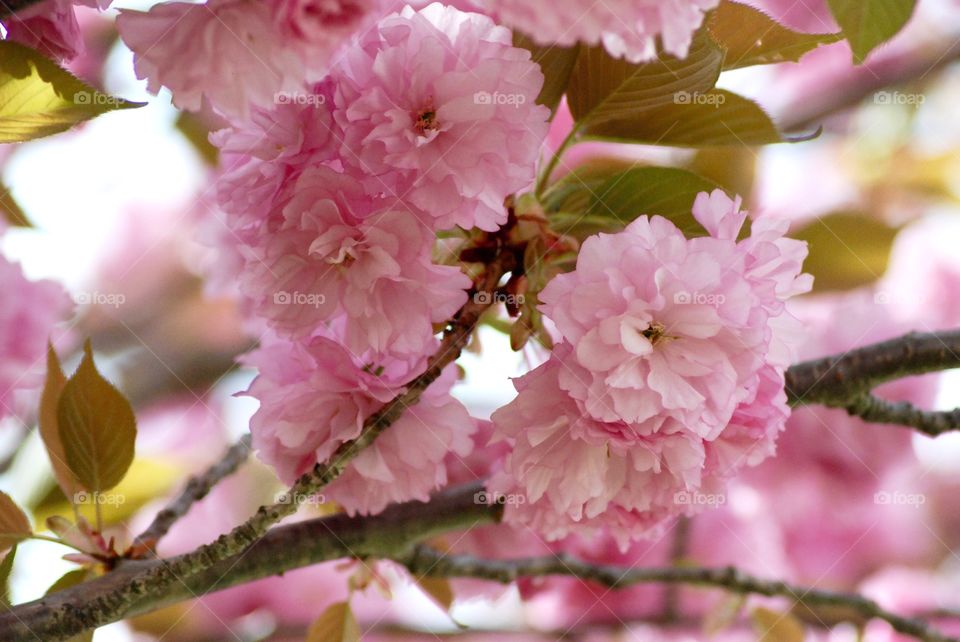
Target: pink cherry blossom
(439, 109)
(666, 327)
(626, 28)
(203, 51)
(50, 27)
(323, 260)
(29, 312)
(406, 462)
(314, 396)
(668, 378)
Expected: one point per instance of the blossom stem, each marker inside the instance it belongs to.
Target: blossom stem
(557, 156)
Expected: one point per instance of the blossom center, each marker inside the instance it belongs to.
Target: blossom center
(656, 333)
(426, 121)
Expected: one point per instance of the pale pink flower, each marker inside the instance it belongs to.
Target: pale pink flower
(668, 378)
(670, 328)
(321, 27)
(314, 396)
(50, 27)
(407, 461)
(439, 109)
(626, 28)
(563, 475)
(224, 51)
(29, 312)
(240, 53)
(377, 271)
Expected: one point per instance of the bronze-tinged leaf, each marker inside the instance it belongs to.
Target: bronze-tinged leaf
(869, 23)
(38, 98)
(610, 205)
(337, 624)
(557, 64)
(717, 117)
(846, 250)
(49, 425)
(750, 37)
(97, 427)
(772, 626)
(68, 580)
(605, 88)
(6, 566)
(14, 525)
(10, 210)
(437, 589)
(196, 132)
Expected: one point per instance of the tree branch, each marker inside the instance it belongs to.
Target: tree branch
(426, 561)
(196, 489)
(846, 381)
(391, 533)
(902, 413)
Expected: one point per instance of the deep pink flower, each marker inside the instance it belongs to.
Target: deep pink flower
(439, 109)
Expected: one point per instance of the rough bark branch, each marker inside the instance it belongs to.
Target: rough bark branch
(426, 561)
(847, 381)
(284, 548)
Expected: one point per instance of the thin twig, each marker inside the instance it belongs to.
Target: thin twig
(196, 489)
(426, 561)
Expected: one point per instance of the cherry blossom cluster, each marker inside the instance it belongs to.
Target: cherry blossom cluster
(363, 134)
(668, 377)
(333, 199)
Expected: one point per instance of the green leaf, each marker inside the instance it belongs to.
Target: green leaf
(557, 64)
(772, 626)
(97, 427)
(869, 23)
(604, 88)
(50, 427)
(572, 192)
(38, 98)
(197, 134)
(6, 566)
(337, 624)
(14, 525)
(69, 580)
(10, 210)
(750, 37)
(624, 196)
(846, 250)
(717, 117)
